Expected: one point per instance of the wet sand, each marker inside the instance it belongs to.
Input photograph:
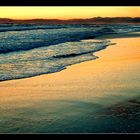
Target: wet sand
(98, 96)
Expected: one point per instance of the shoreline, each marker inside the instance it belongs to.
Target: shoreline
(102, 37)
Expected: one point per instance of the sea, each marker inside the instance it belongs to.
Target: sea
(28, 50)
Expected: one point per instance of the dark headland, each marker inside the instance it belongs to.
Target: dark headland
(95, 20)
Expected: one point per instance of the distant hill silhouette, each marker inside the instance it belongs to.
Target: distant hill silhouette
(96, 20)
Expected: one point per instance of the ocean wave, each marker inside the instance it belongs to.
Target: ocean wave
(29, 53)
(29, 39)
(26, 40)
(47, 59)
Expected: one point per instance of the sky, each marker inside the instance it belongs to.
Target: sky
(68, 12)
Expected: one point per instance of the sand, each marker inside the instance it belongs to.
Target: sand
(71, 100)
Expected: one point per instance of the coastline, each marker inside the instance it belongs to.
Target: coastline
(100, 38)
(66, 96)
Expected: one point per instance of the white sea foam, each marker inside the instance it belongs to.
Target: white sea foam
(47, 59)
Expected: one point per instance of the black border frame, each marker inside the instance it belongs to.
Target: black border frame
(69, 3)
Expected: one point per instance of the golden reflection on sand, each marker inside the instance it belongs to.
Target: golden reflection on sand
(114, 73)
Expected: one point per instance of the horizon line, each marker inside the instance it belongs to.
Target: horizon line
(64, 19)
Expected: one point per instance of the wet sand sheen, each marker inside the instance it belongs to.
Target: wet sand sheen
(73, 99)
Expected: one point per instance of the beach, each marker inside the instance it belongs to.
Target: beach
(97, 96)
